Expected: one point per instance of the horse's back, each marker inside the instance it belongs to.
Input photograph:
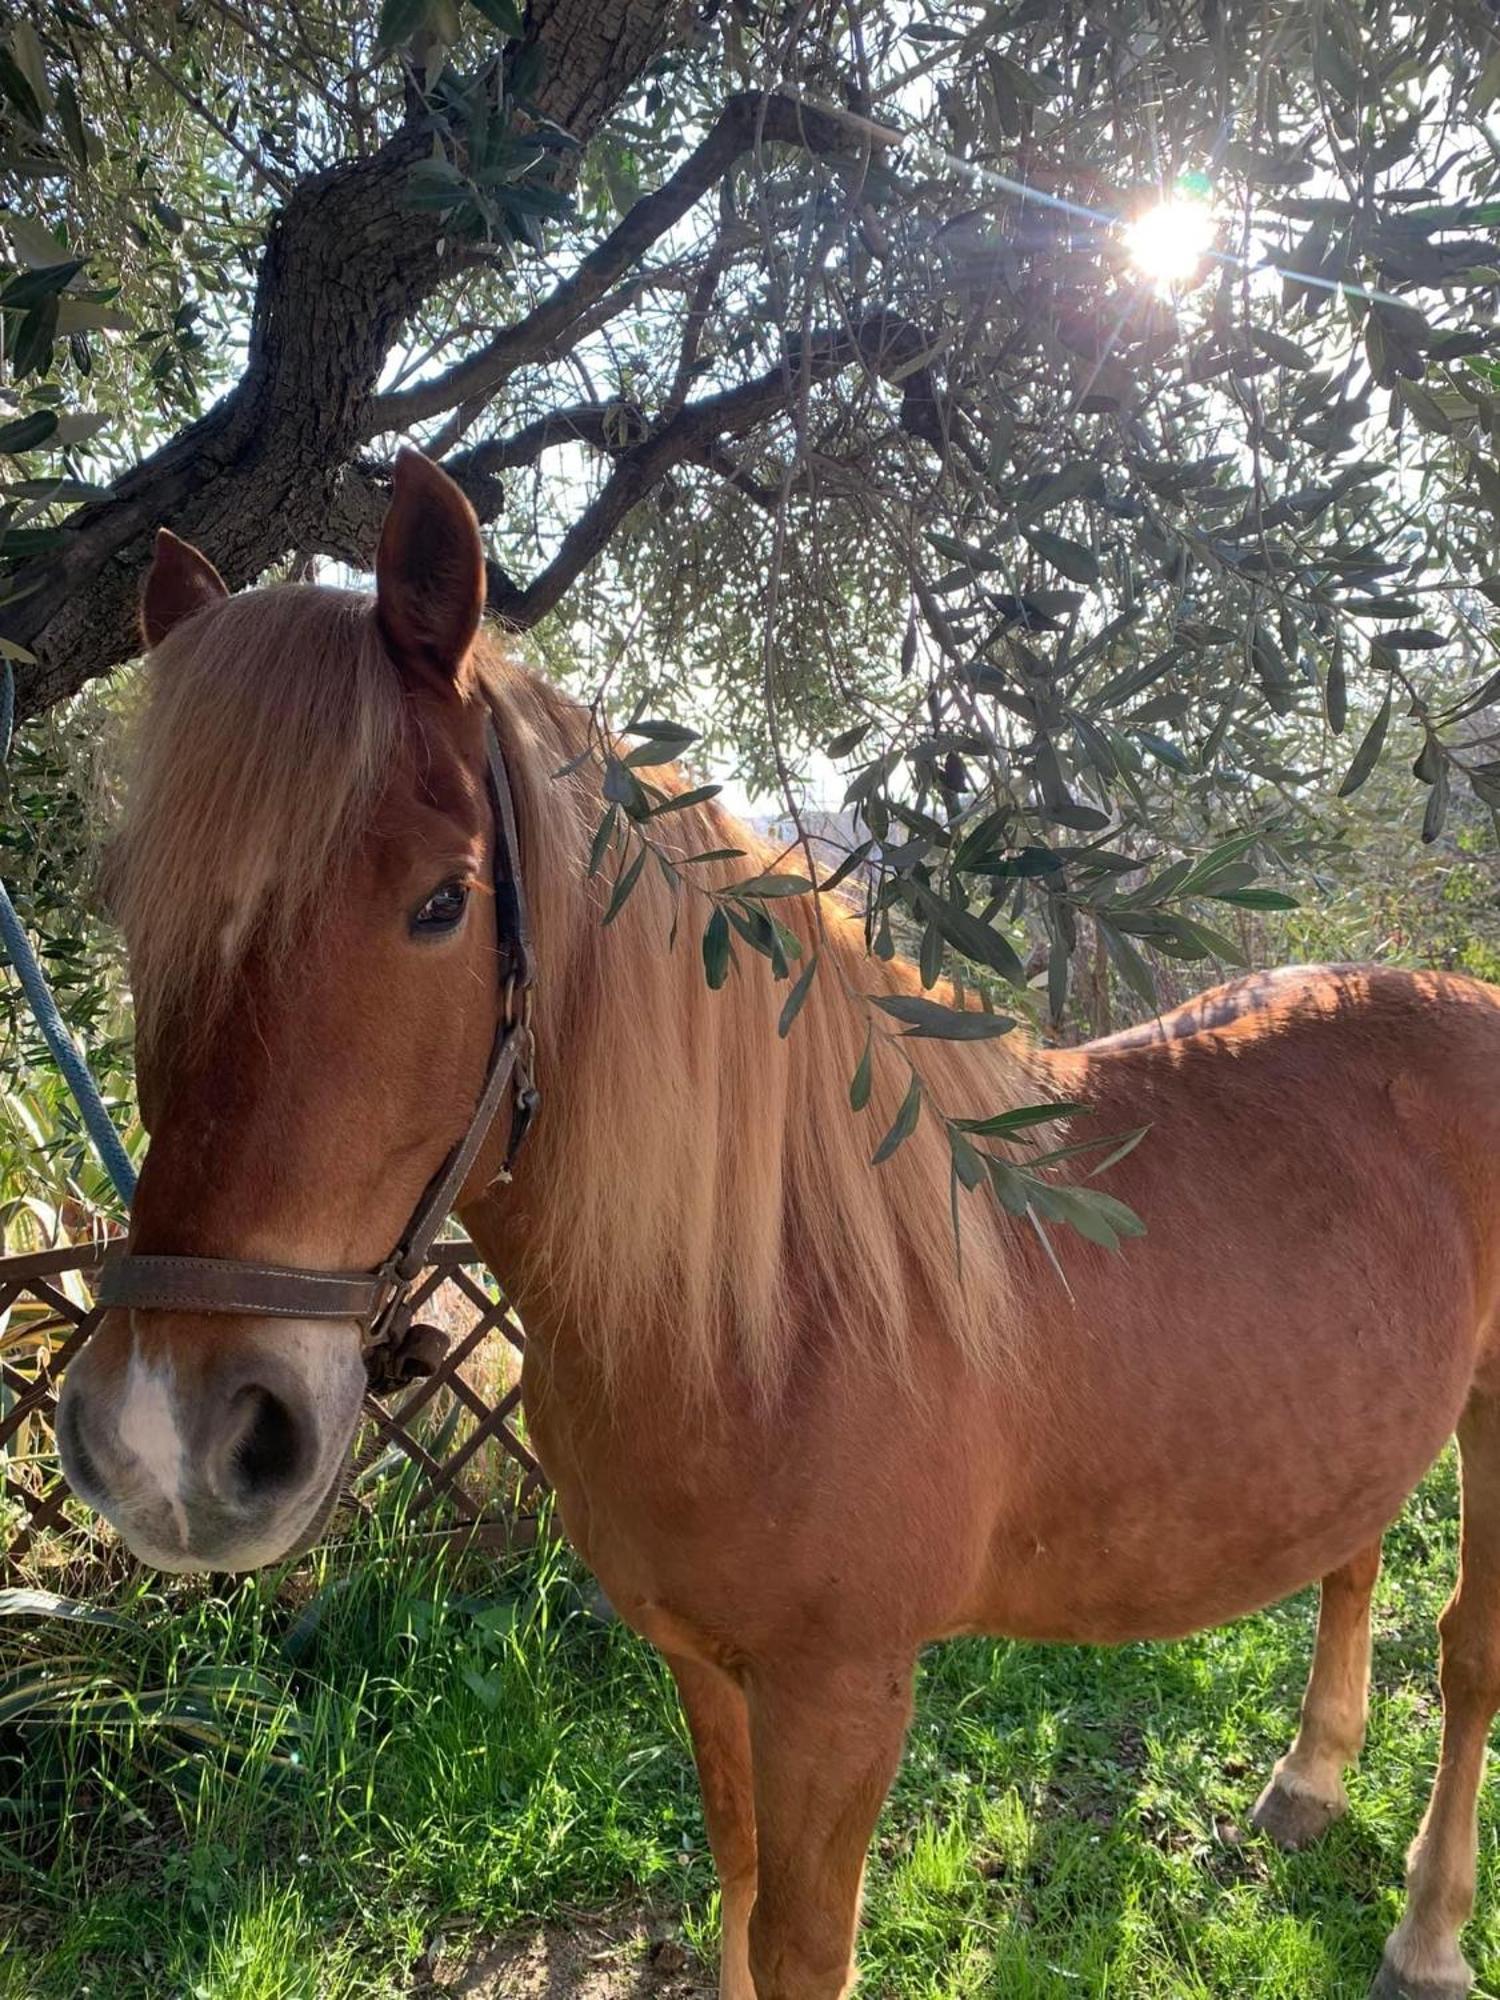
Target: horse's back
(1353, 993)
(1369, 1051)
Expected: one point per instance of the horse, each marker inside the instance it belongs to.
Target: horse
(796, 1437)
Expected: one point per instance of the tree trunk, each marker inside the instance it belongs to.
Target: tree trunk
(346, 263)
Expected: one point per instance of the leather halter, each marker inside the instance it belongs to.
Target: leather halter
(380, 1300)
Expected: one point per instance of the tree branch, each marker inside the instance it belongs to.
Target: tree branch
(347, 260)
(713, 270)
(888, 346)
(746, 120)
(661, 279)
(582, 423)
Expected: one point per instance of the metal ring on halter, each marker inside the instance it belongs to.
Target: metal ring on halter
(510, 1015)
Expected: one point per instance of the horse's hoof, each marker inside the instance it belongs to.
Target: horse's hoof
(1294, 1819)
(1390, 1984)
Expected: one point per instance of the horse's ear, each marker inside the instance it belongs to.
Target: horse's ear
(429, 571)
(179, 582)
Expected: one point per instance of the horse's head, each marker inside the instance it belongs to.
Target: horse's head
(304, 883)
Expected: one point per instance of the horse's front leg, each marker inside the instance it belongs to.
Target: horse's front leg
(825, 1742)
(715, 1709)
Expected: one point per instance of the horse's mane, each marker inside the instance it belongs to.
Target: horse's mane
(703, 1173)
(693, 1169)
(257, 758)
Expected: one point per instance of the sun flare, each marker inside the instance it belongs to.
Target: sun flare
(1168, 243)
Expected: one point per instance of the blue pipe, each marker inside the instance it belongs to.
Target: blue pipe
(66, 1053)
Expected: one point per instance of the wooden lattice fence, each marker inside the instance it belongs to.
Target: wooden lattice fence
(460, 1427)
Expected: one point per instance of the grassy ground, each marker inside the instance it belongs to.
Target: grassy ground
(290, 1791)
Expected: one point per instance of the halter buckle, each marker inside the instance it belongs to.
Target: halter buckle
(397, 1351)
(390, 1317)
(510, 1016)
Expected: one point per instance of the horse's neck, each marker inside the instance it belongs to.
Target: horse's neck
(697, 1186)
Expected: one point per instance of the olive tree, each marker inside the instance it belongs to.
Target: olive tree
(1076, 426)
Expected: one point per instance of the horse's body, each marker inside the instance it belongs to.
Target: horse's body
(1231, 1411)
(792, 1442)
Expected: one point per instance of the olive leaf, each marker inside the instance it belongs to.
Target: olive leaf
(903, 1125)
(1367, 756)
(928, 1018)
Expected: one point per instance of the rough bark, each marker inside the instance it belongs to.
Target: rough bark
(347, 261)
(344, 264)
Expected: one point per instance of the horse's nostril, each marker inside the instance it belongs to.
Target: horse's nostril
(268, 1449)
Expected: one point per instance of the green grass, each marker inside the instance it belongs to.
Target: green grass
(422, 1750)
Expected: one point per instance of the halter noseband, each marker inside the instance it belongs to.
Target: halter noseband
(380, 1300)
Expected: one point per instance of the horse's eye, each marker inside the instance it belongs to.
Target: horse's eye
(443, 911)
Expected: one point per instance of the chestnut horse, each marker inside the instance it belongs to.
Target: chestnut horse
(794, 1441)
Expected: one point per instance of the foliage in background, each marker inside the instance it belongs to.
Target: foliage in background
(797, 366)
(52, 801)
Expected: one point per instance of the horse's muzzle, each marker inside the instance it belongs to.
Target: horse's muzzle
(215, 1444)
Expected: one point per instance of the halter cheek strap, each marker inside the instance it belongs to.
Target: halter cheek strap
(380, 1300)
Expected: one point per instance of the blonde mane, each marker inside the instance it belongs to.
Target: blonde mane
(693, 1171)
(698, 1171)
(254, 765)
